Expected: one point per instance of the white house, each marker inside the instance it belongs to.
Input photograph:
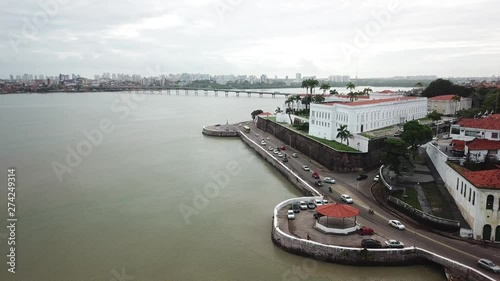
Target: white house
(484, 128)
(478, 150)
(446, 105)
(363, 115)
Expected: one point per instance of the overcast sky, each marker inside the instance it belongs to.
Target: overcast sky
(274, 37)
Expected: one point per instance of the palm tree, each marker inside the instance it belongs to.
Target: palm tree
(289, 101)
(352, 96)
(419, 85)
(318, 98)
(325, 87)
(367, 91)
(334, 92)
(343, 134)
(350, 86)
(456, 99)
(305, 84)
(313, 83)
(278, 110)
(307, 100)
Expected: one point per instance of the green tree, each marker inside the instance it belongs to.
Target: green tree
(441, 87)
(416, 134)
(255, 113)
(313, 83)
(456, 99)
(307, 100)
(434, 115)
(394, 152)
(318, 99)
(350, 86)
(491, 103)
(334, 92)
(325, 87)
(367, 91)
(468, 113)
(352, 96)
(343, 134)
(305, 84)
(278, 110)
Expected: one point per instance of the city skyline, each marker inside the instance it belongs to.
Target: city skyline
(359, 39)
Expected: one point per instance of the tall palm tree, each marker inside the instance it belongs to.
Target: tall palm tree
(343, 134)
(297, 99)
(456, 99)
(305, 84)
(318, 98)
(350, 86)
(367, 91)
(334, 92)
(313, 83)
(325, 87)
(352, 96)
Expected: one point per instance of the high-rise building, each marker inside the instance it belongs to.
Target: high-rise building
(263, 78)
(41, 77)
(11, 77)
(298, 76)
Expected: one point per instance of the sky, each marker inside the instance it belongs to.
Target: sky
(376, 38)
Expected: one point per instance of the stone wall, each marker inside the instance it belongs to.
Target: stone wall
(338, 161)
(219, 133)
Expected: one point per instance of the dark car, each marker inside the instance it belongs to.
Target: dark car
(361, 177)
(296, 207)
(318, 183)
(315, 175)
(365, 231)
(371, 243)
(285, 159)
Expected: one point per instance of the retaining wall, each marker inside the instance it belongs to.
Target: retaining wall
(218, 133)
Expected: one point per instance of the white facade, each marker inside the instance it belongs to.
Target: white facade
(363, 116)
(487, 127)
(479, 206)
(446, 106)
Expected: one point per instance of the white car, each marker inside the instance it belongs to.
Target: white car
(280, 154)
(290, 214)
(268, 138)
(391, 243)
(346, 198)
(329, 180)
(271, 148)
(303, 205)
(376, 178)
(325, 202)
(263, 143)
(318, 202)
(276, 151)
(305, 168)
(396, 224)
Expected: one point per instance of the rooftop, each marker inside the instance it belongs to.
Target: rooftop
(457, 145)
(489, 179)
(483, 144)
(492, 122)
(442, 98)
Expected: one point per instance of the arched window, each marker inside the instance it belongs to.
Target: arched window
(489, 202)
(487, 232)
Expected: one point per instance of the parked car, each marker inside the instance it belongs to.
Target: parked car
(305, 168)
(296, 207)
(487, 264)
(371, 243)
(303, 205)
(346, 198)
(290, 214)
(315, 175)
(318, 202)
(271, 148)
(396, 224)
(391, 243)
(294, 155)
(311, 205)
(366, 231)
(325, 202)
(329, 180)
(361, 177)
(285, 159)
(376, 178)
(268, 138)
(263, 142)
(318, 183)
(276, 151)
(283, 147)
(280, 154)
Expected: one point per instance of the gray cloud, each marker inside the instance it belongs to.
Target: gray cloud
(445, 38)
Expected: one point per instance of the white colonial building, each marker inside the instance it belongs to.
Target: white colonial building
(363, 115)
(487, 127)
(446, 105)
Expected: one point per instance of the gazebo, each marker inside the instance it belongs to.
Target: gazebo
(336, 211)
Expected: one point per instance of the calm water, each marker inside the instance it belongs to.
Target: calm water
(118, 211)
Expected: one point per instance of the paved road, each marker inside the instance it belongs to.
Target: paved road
(461, 251)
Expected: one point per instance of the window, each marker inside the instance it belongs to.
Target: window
(470, 193)
(457, 183)
(455, 130)
(471, 133)
(462, 188)
(494, 135)
(473, 198)
(465, 190)
(489, 202)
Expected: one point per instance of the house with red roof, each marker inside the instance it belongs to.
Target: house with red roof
(478, 150)
(447, 105)
(467, 129)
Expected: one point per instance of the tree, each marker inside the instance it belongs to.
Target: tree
(491, 103)
(278, 110)
(416, 134)
(255, 113)
(307, 100)
(434, 115)
(318, 99)
(350, 86)
(334, 92)
(343, 134)
(289, 112)
(305, 84)
(313, 83)
(297, 100)
(352, 96)
(394, 151)
(325, 87)
(441, 87)
(367, 91)
(456, 99)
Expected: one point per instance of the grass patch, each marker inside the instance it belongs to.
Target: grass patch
(334, 144)
(272, 118)
(411, 200)
(367, 135)
(436, 201)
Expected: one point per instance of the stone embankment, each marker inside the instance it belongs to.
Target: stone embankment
(221, 130)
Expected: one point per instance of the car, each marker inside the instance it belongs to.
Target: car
(487, 264)
(396, 224)
(305, 168)
(371, 243)
(283, 147)
(280, 154)
(290, 214)
(303, 205)
(329, 180)
(315, 175)
(268, 138)
(296, 207)
(391, 243)
(318, 202)
(361, 177)
(366, 231)
(446, 137)
(376, 178)
(346, 198)
(318, 183)
(276, 151)
(263, 143)
(271, 148)
(285, 159)
(325, 202)
(311, 205)
(294, 155)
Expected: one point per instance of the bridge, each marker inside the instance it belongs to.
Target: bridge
(196, 91)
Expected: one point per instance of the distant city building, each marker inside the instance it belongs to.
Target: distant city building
(263, 78)
(11, 77)
(447, 106)
(298, 76)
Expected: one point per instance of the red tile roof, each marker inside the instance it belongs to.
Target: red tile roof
(443, 98)
(365, 102)
(359, 97)
(492, 122)
(482, 144)
(457, 145)
(386, 92)
(489, 179)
